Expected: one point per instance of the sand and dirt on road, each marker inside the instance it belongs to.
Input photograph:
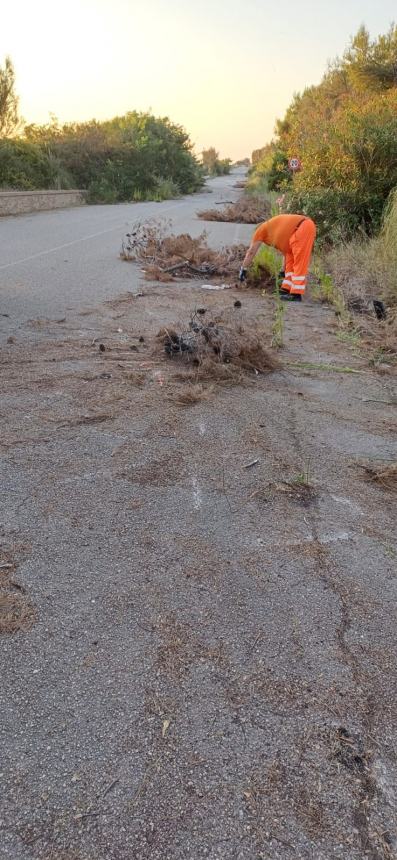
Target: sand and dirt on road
(206, 662)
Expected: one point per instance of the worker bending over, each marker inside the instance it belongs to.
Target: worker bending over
(294, 236)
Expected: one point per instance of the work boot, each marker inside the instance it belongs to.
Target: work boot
(290, 297)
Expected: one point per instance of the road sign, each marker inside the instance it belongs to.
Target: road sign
(294, 164)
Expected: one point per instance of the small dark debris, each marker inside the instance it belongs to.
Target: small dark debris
(349, 751)
(379, 309)
(237, 303)
(141, 339)
(358, 305)
(201, 311)
(174, 344)
(105, 376)
(388, 838)
(11, 339)
(134, 348)
(102, 347)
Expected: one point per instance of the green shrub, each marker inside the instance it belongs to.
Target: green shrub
(133, 157)
(338, 215)
(279, 176)
(165, 190)
(344, 130)
(27, 166)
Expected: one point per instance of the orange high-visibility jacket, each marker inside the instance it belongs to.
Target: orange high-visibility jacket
(278, 231)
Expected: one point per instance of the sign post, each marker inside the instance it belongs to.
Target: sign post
(294, 165)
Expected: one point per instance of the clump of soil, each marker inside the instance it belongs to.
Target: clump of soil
(249, 209)
(167, 257)
(218, 350)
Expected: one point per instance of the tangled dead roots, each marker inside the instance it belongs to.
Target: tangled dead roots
(167, 257)
(217, 350)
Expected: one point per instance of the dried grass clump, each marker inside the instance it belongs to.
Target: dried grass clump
(247, 210)
(384, 476)
(210, 370)
(135, 377)
(366, 269)
(166, 257)
(190, 394)
(390, 332)
(15, 613)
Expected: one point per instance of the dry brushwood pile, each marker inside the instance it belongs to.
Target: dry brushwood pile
(384, 476)
(247, 210)
(166, 258)
(217, 349)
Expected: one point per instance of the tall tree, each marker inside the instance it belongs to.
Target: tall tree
(210, 157)
(9, 118)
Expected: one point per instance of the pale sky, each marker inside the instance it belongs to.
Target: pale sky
(223, 70)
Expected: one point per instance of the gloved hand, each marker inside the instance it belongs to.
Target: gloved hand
(242, 274)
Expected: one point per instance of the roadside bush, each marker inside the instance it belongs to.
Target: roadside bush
(345, 133)
(338, 215)
(27, 166)
(213, 165)
(134, 157)
(279, 176)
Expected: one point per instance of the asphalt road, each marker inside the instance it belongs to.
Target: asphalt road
(51, 262)
(206, 667)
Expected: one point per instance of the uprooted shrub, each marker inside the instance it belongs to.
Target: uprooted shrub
(167, 257)
(218, 350)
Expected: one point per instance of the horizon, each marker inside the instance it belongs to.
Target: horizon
(213, 74)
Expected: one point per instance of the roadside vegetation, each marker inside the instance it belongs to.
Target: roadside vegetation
(213, 165)
(133, 157)
(344, 131)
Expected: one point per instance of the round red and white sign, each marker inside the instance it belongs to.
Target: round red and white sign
(294, 164)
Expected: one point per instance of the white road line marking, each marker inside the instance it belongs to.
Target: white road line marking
(342, 501)
(197, 498)
(334, 538)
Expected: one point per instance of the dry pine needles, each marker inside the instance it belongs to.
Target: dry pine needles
(383, 476)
